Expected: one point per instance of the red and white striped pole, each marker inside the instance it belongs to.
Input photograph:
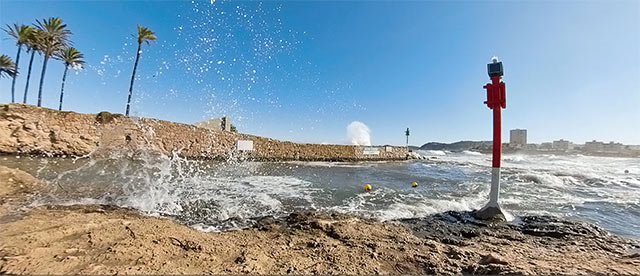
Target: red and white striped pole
(496, 100)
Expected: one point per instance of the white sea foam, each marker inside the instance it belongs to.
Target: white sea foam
(433, 152)
(332, 164)
(427, 207)
(514, 158)
(214, 196)
(358, 134)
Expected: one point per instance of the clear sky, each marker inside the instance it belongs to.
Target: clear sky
(303, 70)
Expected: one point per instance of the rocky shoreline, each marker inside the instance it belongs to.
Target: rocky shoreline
(93, 239)
(26, 129)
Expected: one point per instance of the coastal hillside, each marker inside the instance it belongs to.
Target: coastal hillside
(479, 146)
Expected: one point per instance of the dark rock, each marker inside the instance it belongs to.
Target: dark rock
(106, 117)
(313, 244)
(241, 259)
(490, 213)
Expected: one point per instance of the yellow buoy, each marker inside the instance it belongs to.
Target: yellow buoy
(367, 188)
(414, 184)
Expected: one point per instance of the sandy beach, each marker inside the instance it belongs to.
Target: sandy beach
(93, 239)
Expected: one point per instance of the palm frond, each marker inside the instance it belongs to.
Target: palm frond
(145, 35)
(71, 57)
(33, 40)
(21, 33)
(54, 27)
(52, 35)
(7, 66)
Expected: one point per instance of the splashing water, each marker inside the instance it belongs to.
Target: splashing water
(214, 196)
(358, 134)
(232, 55)
(224, 58)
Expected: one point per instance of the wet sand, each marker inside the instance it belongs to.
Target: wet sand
(107, 240)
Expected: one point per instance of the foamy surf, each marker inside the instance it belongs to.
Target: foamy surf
(218, 196)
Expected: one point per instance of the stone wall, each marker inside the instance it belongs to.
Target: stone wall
(26, 129)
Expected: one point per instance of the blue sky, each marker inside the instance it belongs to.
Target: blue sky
(303, 70)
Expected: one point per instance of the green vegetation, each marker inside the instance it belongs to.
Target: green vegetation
(22, 34)
(51, 38)
(32, 47)
(7, 67)
(48, 37)
(144, 35)
(71, 58)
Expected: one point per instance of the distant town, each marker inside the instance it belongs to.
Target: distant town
(518, 144)
(518, 141)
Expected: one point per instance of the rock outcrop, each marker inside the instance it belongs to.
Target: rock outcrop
(17, 185)
(107, 240)
(26, 129)
(101, 239)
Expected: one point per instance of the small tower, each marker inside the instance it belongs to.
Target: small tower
(406, 133)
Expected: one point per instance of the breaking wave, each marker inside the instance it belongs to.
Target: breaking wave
(218, 196)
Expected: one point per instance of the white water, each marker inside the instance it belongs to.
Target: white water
(358, 134)
(216, 196)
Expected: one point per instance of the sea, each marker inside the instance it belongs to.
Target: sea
(227, 195)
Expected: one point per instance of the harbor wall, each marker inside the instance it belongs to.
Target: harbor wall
(26, 129)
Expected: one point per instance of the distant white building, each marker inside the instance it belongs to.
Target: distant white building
(597, 146)
(518, 137)
(223, 123)
(613, 147)
(561, 145)
(546, 146)
(593, 146)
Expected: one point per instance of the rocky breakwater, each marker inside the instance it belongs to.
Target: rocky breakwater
(26, 129)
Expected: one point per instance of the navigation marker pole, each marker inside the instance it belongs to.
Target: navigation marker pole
(496, 100)
(407, 134)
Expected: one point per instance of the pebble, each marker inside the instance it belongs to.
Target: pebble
(71, 250)
(493, 258)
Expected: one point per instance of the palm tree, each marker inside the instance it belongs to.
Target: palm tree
(53, 36)
(144, 35)
(21, 34)
(71, 58)
(32, 46)
(7, 67)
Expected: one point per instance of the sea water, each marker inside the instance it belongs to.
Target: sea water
(219, 196)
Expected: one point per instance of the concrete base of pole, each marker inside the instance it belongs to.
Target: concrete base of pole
(492, 210)
(491, 213)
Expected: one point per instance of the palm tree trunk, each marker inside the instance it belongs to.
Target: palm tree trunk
(26, 86)
(64, 77)
(44, 70)
(133, 77)
(13, 82)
